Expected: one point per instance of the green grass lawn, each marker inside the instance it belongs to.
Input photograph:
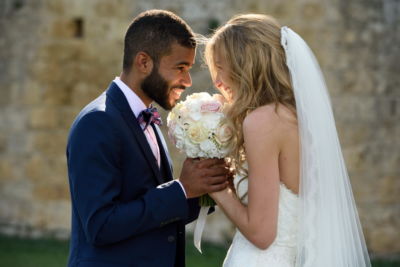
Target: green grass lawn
(15, 252)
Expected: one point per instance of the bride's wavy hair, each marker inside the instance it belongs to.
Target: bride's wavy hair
(251, 47)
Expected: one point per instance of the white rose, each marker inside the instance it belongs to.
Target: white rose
(197, 132)
(220, 98)
(202, 154)
(171, 130)
(191, 149)
(179, 144)
(212, 120)
(183, 113)
(198, 96)
(223, 134)
(170, 118)
(207, 146)
(186, 123)
(195, 115)
(178, 132)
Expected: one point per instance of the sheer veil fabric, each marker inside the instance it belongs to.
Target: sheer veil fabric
(330, 232)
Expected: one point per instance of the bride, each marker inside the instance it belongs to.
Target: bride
(292, 201)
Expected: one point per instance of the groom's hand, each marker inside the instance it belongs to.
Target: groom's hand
(200, 177)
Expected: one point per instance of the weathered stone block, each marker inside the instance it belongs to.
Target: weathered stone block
(51, 191)
(13, 119)
(389, 188)
(6, 170)
(32, 94)
(43, 118)
(3, 143)
(19, 144)
(50, 143)
(64, 28)
(37, 169)
(66, 117)
(381, 239)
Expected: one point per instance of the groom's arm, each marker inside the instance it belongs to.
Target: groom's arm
(93, 165)
(194, 210)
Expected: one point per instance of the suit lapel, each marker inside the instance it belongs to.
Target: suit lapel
(165, 158)
(122, 104)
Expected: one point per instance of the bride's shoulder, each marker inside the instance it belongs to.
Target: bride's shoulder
(270, 122)
(269, 116)
(263, 119)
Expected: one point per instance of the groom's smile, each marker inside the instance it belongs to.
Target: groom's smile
(176, 93)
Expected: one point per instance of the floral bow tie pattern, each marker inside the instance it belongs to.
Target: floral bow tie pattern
(148, 116)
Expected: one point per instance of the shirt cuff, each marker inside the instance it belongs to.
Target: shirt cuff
(183, 189)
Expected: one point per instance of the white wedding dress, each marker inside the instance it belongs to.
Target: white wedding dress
(282, 252)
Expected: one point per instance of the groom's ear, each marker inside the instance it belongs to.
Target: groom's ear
(144, 63)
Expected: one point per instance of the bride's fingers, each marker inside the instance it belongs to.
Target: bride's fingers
(209, 163)
(220, 171)
(216, 180)
(218, 187)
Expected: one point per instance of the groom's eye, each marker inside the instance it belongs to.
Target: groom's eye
(182, 68)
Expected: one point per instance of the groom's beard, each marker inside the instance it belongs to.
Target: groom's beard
(158, 89)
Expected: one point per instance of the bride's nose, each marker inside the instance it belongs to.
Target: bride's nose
(217, 80)
(218, 83)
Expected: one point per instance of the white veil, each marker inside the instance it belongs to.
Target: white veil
(330, 233)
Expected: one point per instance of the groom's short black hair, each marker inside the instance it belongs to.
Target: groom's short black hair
(153, 32)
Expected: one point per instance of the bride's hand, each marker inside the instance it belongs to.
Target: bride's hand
(230, 181)
(217, 196)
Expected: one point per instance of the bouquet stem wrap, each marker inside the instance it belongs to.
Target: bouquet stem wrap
(199, 228)
(206, 200)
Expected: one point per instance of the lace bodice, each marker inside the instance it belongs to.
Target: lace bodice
(282, 252)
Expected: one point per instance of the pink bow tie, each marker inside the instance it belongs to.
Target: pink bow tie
(148, 116)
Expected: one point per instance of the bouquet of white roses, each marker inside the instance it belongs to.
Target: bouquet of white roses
(197, 127)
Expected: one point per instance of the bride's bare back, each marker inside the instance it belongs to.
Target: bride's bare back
(282, 129)
(289, 164)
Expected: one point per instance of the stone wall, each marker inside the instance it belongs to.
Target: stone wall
(56, 55)
(368, 112)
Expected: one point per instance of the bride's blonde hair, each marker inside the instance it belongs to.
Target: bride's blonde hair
(251, 46)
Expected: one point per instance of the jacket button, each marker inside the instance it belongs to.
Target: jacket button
(171, 238)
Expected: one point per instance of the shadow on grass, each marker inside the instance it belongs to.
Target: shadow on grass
(17, 252)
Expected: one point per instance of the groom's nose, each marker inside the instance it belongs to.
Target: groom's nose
(186, 80)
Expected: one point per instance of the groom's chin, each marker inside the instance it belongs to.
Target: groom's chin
(169, 107)
(170, 104)
(166, 105)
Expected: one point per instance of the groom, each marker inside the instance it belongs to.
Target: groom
(126, 209)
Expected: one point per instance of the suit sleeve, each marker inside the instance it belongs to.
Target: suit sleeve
(194, 210)
(95, 181)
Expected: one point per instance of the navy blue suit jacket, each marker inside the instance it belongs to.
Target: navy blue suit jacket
(124, 210)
